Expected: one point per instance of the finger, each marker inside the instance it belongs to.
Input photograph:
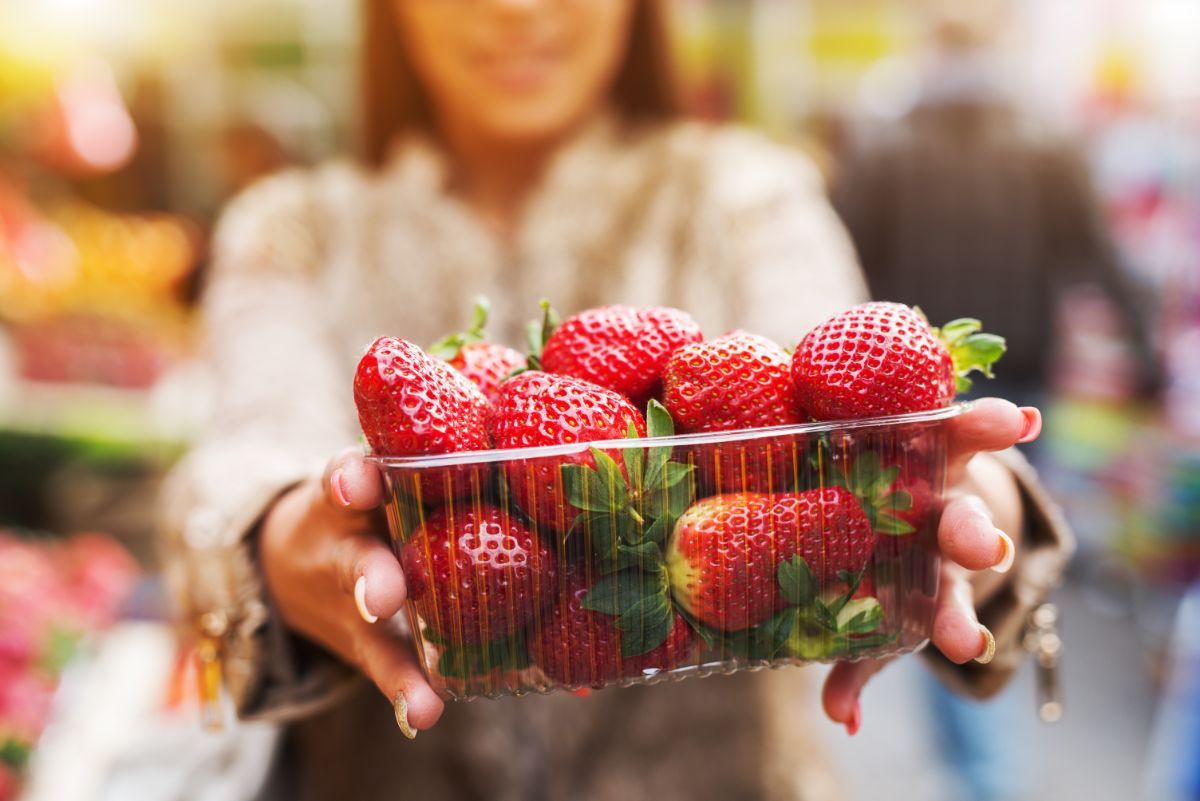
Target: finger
(991, 424)
(352, 482)
(392, 665)
(368, 571)
(967, 536)
(957, 632)
(843, 687)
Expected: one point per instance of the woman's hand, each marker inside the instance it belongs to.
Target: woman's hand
(333, 579)
(981, 517)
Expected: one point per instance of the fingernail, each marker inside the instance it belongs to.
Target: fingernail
(1010, 553)
(989, 646)
(335, 486)
(360, 600)
(855, 719)
(401, 707)
(1033, 424)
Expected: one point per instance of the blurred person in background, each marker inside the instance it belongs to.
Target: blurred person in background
(526, 149)
(967, 207)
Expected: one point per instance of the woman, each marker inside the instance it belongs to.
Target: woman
(519, 148)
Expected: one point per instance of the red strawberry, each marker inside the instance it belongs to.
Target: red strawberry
(737, 381)
(536, 408)
(485, 363)
(476, 573)
(619, 347)
(884, 358)
(577, 647)
(410, 403)
(725, 550)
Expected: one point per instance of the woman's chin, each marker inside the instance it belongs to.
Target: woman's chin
(529, 121)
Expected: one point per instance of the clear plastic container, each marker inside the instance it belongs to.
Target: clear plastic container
(629, 561)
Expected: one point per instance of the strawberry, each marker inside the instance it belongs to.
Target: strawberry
(884, 358)
(734, 382)
(619, 347)
(536, 408)
(476, 573)
(486, 364)
(410, 403)
(725, 550)
(737, 381)
(576, 646)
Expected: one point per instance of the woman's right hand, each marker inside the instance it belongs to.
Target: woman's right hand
(333, 579)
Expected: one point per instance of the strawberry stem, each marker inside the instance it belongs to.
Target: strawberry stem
(448, 347)
(537, 333)
(970, 349)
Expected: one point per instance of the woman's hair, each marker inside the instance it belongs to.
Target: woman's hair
(393, 100)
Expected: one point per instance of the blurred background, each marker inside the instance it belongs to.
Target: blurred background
(1054, 147)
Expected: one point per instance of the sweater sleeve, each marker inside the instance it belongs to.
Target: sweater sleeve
(282, 409)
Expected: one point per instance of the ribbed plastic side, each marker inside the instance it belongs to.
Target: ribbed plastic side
(652, 559)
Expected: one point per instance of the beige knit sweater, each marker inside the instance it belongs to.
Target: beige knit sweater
(311, 266)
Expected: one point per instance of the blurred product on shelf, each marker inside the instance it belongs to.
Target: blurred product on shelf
(52, 595)
(97, 301)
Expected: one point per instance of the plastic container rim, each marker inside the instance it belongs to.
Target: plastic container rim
(707, 438)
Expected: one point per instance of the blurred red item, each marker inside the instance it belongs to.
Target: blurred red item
(52, 593)
(89, 349)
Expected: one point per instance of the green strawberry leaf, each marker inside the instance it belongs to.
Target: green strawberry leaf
(479, 316)
(863, 473)
(797, 582)
(658, 420)
(852, 581)
(763, 641)
(657, 532)
(969, 349)
(900, 500)
(602, 532)
(887, 523)
(672, 495)
(646, 557)
(618, 593)
(860, 616)
(711, 637)
(585, 489)
(646, 625)
(448, 347)
(471, 660)
(825, 617)
(610, 473)
(635, 460)
(538, 332)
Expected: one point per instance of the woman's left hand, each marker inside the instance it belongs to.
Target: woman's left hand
(979, 526)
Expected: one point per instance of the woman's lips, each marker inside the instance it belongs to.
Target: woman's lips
(519, 72)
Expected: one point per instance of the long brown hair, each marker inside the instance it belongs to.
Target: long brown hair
(392, 99)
